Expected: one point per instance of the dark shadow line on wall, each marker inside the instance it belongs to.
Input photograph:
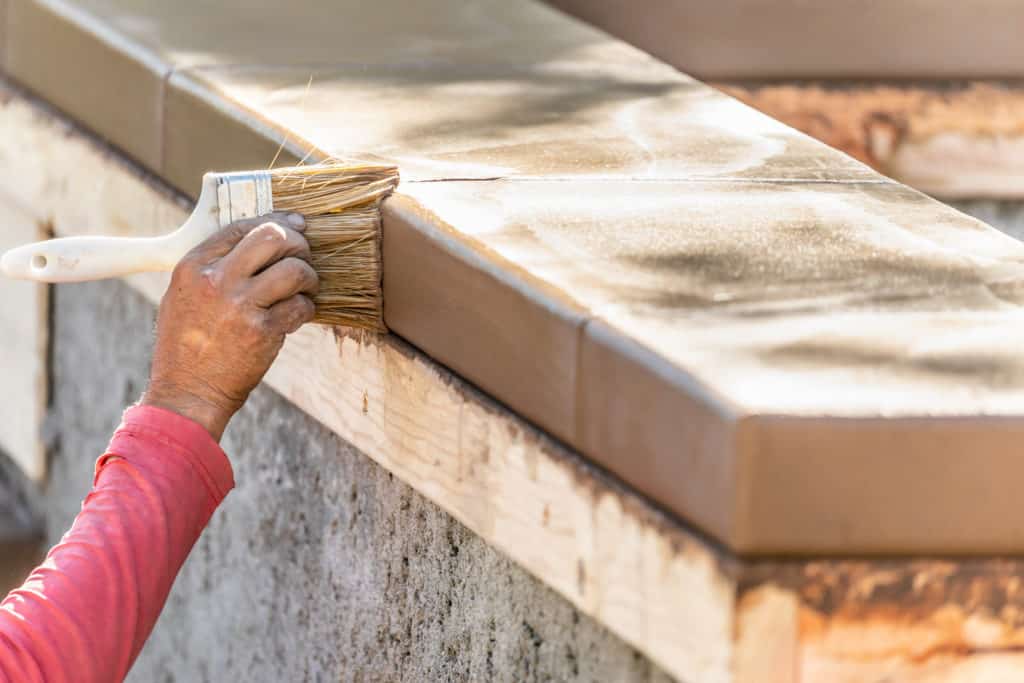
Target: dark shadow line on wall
(47, 231)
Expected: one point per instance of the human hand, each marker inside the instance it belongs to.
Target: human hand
(231, 302)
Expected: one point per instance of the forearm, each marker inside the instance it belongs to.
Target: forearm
(85, 613)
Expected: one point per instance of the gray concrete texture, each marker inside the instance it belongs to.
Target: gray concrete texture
(1003, 215)
(320, 566)
(20, 525)
(19, 516)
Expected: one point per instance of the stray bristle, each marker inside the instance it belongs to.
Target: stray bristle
(341, 203)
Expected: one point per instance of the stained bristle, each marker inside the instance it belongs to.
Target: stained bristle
(341, 203)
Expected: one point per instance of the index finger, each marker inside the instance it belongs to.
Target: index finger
(262, 247)
(225, 239)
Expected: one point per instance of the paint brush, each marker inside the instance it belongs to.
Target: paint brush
(341, 204)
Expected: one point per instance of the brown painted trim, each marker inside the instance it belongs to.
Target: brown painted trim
(466, 311)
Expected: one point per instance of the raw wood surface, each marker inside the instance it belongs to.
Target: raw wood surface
(904, 621)
(660, 588)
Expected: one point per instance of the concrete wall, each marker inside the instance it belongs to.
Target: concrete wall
(1006, 216)
(20, 525)
(320, 565)
(19, 516)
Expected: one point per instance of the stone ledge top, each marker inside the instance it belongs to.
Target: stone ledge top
(787, 39)
(756, 331)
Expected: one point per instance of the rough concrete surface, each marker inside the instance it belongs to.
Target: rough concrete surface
(1007, 216)
(20, 525)
(19, 518)
(320, 566)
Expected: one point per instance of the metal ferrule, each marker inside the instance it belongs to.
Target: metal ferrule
(243, 195)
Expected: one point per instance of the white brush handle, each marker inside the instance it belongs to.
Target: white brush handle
(78, 259)
(225, 197)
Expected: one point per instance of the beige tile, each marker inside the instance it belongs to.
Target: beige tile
(564, 119)
(86, 69)
(208, 134)
(789, 38)
(903, 486)
(819, 300)
(816, 299)
(103, 61)
(658, 429)
(484, 318)
(188, 33)
(731, 321)
(804, 485)
(447, 89)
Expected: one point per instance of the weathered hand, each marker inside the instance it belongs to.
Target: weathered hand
(225, 315)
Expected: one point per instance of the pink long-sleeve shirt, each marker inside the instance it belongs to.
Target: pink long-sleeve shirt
(85, 612)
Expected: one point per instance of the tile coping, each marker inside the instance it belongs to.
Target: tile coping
(762, 335)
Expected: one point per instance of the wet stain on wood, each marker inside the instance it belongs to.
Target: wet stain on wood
(905, 610)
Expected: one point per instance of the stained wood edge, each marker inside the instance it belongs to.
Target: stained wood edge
(847, 621)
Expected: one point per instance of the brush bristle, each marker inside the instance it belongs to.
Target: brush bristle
(341, 203)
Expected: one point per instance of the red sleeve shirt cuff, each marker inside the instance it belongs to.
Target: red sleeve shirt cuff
(142, 427)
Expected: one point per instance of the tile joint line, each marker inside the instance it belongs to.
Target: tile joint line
(628, 179)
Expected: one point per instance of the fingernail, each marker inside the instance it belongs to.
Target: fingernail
(296, 220)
